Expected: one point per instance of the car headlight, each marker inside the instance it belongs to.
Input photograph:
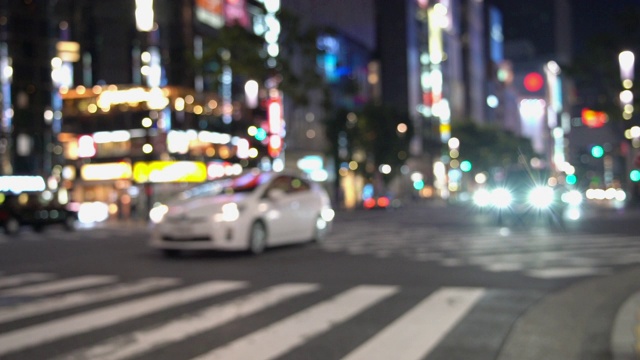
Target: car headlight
(501, 198)
(573, 197)
(541, 197)
(228, 213)
(157, 213)
(482, 198)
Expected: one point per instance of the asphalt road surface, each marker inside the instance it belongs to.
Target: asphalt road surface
(425, 281)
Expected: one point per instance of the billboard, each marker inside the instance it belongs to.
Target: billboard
(210, 12)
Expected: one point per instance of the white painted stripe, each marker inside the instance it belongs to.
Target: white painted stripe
(60, 286)
(76, 324)
(280, 337)
(561, 272)
(419, 330)
(130, 345)
(15, 280)
(80, 298)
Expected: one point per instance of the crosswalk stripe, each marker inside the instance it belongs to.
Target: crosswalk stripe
(419, 330)
(80, 298)
(279, 338)
(91, 320)
(134, 344)
(60, 286)
(15, 280)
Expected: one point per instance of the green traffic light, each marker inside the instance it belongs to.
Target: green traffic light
(597, 151)
(634, 175)
(465, 166)
(571, 179)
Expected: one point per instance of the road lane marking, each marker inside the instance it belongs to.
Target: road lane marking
(80, 298)
(60, 285)
(560, 272)
(282, 336)
(134, 344)
(91, 320)
(15, 280)
(418, 331)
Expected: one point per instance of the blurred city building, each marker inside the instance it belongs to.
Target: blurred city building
(123, 101)
(346, 41)
(439, 60)
(107, 98)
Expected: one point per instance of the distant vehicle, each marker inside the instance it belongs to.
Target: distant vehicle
(37, 209)
(522, 195)
(376, 202)
(251, 212)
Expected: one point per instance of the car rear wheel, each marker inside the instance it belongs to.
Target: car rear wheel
(257, 238)
(70, 223)
(320, 230)
(170, 253)
(12, 226)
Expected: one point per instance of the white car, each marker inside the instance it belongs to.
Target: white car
(252, 211)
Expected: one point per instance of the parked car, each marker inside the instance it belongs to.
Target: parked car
(251, 211)
(37, 209)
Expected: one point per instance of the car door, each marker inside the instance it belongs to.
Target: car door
(305, 206)
(281, 217)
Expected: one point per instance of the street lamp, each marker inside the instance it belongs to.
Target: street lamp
(626, 60)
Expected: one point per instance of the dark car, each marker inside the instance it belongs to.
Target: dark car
(35, 209)
(525, 194)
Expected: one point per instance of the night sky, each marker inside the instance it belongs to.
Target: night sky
(533, 21)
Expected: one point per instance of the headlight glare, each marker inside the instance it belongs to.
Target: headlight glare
(501, 198)
(482, 198)
(229, 212)
(157, 213)
(573, 197)
(541, 197)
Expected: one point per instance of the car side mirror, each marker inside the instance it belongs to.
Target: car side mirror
(276, 194)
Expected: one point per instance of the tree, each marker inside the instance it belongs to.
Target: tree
(373, 136)
(244, 52)
(487, 146)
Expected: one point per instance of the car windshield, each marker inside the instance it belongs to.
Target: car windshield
(243, 183)
(521, 177)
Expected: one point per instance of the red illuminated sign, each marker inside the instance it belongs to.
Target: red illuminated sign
(594, 119)
(274, 115)
(533, 82)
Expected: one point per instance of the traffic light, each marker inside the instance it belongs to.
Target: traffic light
(634, 175)
(465, 166)
(571, 179)
(597, 151)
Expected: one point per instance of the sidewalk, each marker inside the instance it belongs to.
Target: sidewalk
(625, 336)
(583, 322)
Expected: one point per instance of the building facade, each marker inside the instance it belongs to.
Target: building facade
(119, 101)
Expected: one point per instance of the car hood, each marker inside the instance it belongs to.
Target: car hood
(204, 205)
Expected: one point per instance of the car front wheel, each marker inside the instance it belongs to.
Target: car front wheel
(257, 238)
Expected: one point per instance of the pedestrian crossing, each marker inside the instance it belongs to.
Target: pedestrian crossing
(52, 310)
(537, 253)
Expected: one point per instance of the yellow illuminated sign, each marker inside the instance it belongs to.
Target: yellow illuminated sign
(68, 51)
(169, 171)
(154, 97)
(108, 171)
